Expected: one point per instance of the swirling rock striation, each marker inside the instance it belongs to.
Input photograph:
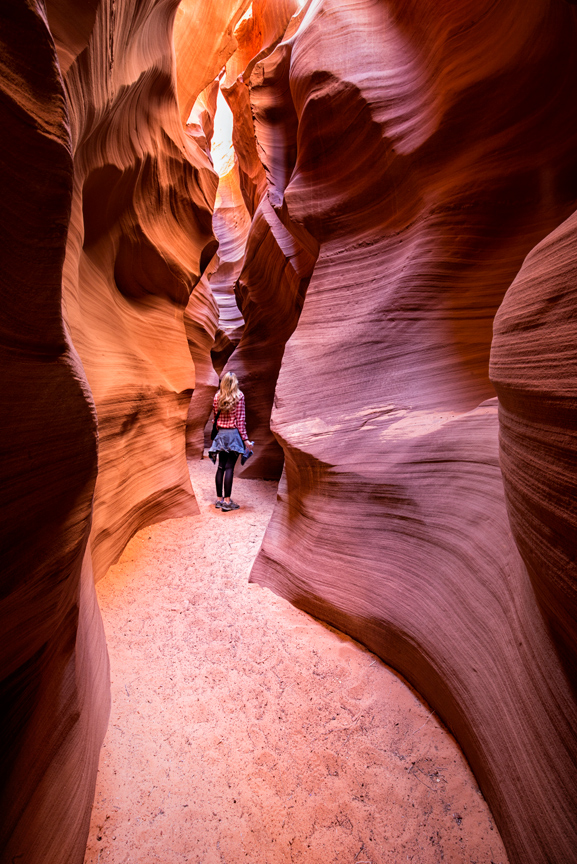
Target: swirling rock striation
(140, 238)
(534, 370)
(54, 668)
(270, 293)
(435, 146)
(201, 322)
(279, 256)
(256, 36)
(231, 225)
(108, 210)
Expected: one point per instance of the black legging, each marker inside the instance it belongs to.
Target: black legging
(226, 463)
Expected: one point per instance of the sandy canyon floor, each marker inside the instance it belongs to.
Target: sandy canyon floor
(242, 730)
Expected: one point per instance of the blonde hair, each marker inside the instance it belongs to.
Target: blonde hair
(229, 393)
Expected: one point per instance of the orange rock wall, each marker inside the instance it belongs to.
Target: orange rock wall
(201, 322)
(107, 218)
(140, 237)
(54, 690)
(408, 156)
(435, 147)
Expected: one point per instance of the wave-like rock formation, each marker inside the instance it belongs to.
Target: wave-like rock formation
(140, 237)
(256, 37)
(54, 667)
(534, 369)
(201, 322)
(399, 161)
(279, 256)
(435, 146)
(270, 293)
(231, 225)
(107, 204)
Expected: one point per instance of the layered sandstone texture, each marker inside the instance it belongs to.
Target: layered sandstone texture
(107, 220)
(140, 238)
(433, 146)
(201, 323)
(534, 369)
(213, 319)
(242, 185)
(279, 257)
(54, 667)
(231, 224)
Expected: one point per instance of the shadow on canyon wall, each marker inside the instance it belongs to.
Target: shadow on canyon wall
(398, 233)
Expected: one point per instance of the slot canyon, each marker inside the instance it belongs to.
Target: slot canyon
(366, 210)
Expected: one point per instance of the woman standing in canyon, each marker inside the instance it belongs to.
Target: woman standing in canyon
(231, 439)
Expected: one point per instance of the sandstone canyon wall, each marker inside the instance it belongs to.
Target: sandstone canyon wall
(139, 239)
(279, 257)
(534, 369)
(107, 229)
(430, 147)
(54, 690)
(408, 156)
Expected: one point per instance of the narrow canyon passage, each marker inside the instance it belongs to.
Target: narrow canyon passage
(244, 730)
(367, 211)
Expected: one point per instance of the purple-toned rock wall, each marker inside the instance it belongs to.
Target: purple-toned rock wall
(435, 146)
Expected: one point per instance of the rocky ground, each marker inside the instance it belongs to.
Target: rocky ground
(242, 730)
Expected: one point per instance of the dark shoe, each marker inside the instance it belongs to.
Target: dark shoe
(219, 503)
(232, 506)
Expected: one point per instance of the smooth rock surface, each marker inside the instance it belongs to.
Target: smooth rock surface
(139, 240)
(279, 256)
(231, 223)
(54, 687)
(201, 321)
(534, 370)
(432, 156)
(107, 229)
(417, 151)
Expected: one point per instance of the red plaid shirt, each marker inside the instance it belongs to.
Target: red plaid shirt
(232, 419)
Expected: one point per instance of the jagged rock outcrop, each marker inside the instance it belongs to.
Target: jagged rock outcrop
(436, 145)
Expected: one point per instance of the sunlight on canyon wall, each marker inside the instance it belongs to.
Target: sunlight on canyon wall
(390, 271)
(108, 206)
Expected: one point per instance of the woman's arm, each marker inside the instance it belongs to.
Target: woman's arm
(241, 418)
